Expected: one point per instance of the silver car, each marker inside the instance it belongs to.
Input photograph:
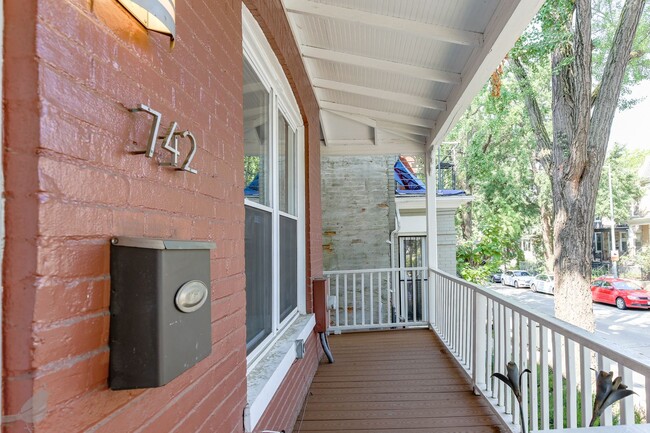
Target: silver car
(543, 283)
(517, 278)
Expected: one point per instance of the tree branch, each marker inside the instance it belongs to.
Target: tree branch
(544, 144)
(581, 78)
(617, 60)
(487, 143)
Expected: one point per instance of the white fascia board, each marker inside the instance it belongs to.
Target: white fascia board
(442, 202)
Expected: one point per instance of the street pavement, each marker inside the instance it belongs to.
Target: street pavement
(629, 329)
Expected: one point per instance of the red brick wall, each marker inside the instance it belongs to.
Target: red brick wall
(71, 74)
(71, 71)
(287, 402)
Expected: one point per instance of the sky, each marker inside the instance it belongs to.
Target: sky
(632, 127)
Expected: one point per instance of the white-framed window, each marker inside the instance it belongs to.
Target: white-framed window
(273, 195)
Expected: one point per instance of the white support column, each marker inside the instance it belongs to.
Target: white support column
(432, 224)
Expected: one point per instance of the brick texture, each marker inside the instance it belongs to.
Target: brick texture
(72, 70)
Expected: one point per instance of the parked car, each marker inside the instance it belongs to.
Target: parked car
(496, 278)
(517, 278)
(620, 292)
(543, 283)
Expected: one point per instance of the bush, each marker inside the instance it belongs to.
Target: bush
(640, 260)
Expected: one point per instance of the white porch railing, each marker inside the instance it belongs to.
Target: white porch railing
(485, 330)
(378, 298)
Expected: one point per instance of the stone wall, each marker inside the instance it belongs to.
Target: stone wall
(358, 211)
(358, 200)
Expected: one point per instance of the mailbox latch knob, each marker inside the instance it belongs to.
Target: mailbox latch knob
(191, 296)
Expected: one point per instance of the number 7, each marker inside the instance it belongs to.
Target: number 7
(153, 133)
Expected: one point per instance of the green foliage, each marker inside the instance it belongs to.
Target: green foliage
(497, 163)
(251, 168)
(626, 183)
(641, 260)
(501, 156)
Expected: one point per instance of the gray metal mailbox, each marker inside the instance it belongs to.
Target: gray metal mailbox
(160, 310)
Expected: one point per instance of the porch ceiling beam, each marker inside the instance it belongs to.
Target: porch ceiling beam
(405, 129)
(323, 128)
(379, 93)
(420, 29)
(407, 147)
(361, 119)
(383, 65)
(412, 131)
(352, 142)
(376, 114)
(404, 135)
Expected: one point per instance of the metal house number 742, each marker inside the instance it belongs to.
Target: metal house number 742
(170, 141)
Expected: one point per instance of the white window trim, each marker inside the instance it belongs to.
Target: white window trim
(269, 363)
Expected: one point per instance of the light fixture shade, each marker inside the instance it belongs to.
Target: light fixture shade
(156, 15)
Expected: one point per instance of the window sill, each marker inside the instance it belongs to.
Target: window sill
(264, 379)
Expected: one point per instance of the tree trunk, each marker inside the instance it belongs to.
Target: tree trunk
(466, 223)
(580, 138)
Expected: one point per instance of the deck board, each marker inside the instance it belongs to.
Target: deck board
(393, 381)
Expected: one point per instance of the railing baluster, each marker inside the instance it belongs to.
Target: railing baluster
(363, 299)
(571, 384)
(468, 326)
(585, 388)
(627, 404)
(544, 378)
(523, 364)
(354, 299)
(345, 298)
(423, 298)
(646, 397)
(338, 302)
(414, 284)
(604, 365)
(558, 410)
(490, 329)
(532, 365)
(502, 352)
(510, 347)
(372, 300)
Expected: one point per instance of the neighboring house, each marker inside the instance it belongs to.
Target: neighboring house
(640, 221)
(110, 130)
(371, 221)
(630, 235)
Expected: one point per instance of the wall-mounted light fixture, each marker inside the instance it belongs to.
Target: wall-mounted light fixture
(156, 15)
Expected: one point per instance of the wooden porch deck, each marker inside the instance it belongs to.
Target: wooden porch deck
(393, 381)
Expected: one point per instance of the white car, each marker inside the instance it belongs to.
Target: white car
(543, 283)
(516, 278)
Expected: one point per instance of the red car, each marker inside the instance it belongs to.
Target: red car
(622, 293)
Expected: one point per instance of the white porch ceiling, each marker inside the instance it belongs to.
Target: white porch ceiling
(393, 76)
